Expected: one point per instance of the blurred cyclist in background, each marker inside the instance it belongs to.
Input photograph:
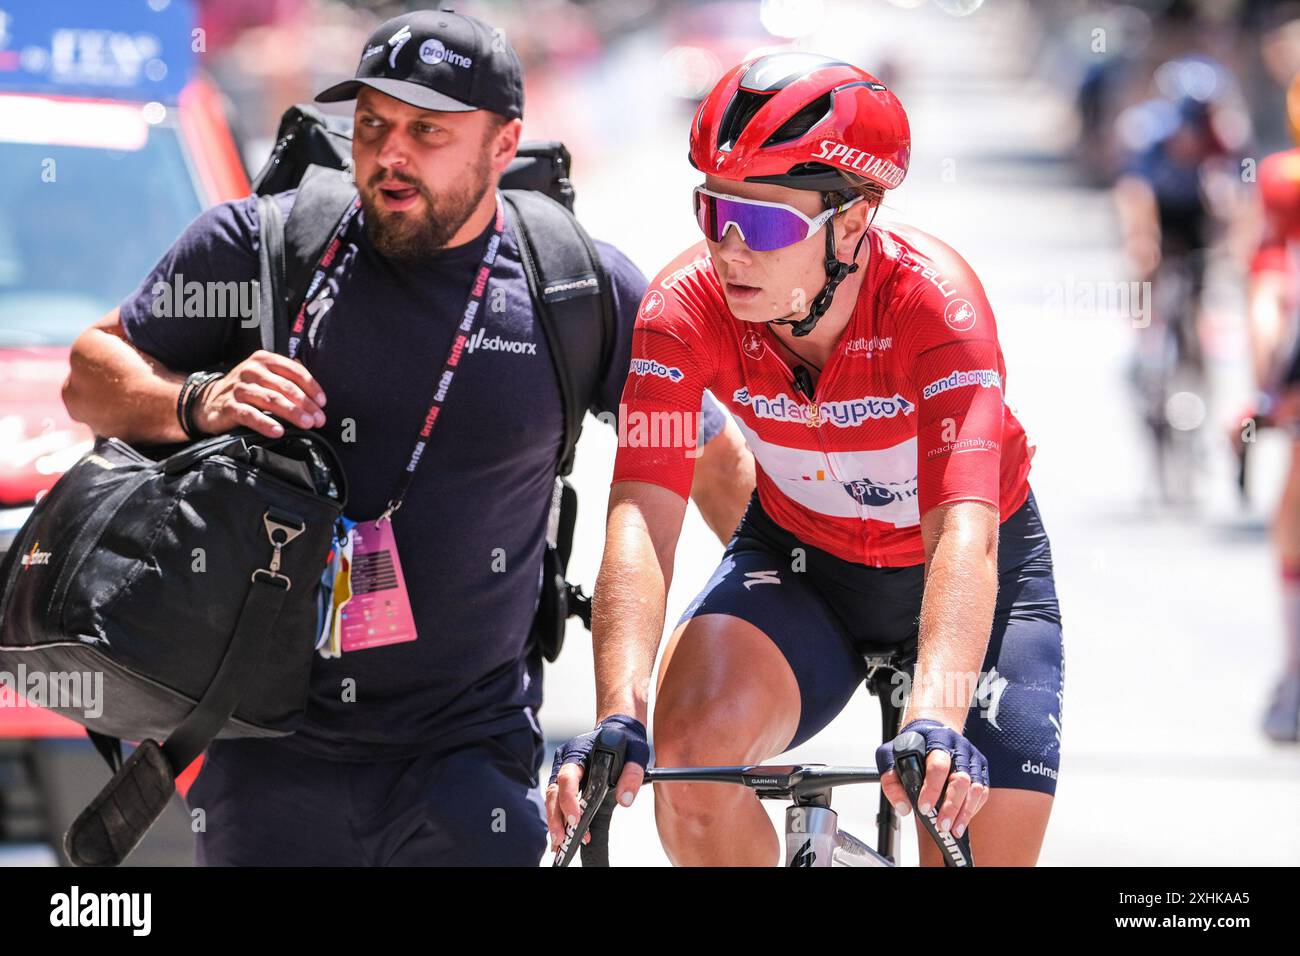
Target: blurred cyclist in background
(1273, 301)
(1177, 163)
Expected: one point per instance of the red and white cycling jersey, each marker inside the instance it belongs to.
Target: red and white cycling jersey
(908, 412)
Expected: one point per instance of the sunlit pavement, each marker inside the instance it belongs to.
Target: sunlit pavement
(1170, 621)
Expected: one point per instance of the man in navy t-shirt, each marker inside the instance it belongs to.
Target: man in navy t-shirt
(424, 751)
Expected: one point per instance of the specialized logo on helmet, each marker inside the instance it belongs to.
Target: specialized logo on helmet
(653, 306)
(752, 344)
(871, 166)
(434, 51)
(959, 315)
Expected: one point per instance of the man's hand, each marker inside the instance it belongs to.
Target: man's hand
(262, 385)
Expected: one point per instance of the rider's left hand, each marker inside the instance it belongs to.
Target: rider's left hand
(951, 759)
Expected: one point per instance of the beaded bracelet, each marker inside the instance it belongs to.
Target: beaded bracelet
(195, 385)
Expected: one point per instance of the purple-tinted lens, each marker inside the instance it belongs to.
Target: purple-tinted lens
(763, 228)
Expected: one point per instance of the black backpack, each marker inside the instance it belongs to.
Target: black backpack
(568, 285)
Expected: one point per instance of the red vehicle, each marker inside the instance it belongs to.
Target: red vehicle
(110, 143)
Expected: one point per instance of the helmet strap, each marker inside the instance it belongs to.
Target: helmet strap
(836, 272)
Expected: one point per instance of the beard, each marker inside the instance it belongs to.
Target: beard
(417, 235)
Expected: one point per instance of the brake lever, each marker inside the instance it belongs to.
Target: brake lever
(909, 761)
(605, 756)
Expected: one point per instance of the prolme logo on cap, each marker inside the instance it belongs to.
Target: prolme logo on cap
(434, 51)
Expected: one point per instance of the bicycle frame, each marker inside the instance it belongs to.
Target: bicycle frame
(812, 833)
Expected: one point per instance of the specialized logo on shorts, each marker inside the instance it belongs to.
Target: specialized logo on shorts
(959, 315)
(651, 367)
(986, 377)
(844, 414)
(434, 51)
(752, 344)
(878, 494)
(653, 305)
(498, 344)
(988, 695)
(761, 577)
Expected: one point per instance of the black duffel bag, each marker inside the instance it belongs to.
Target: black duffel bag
(190, 583)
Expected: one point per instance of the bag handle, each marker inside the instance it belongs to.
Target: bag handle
(114, 823)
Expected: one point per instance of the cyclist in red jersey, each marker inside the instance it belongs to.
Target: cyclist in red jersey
(862, 365)
(1274, 304)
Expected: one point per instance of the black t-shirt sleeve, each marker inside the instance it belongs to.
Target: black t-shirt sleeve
(628, 285)
(186, 311)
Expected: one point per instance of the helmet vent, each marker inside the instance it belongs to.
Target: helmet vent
(739, 112)
(802, 121)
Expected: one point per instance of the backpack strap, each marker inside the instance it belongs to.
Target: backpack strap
(288, 252)
(272, 326)
(324, 195)
(570, 292)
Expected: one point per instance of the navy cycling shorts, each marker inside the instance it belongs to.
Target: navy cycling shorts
(820, 617)
(266, 804)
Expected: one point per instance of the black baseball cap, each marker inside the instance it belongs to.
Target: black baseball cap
(439, 60)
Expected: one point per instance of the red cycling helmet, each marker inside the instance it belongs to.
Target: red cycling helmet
(807, 122)
(804, 121)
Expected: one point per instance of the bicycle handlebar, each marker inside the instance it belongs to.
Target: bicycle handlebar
(597, 803)
(787, 781)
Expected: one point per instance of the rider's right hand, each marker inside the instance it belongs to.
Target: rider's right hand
(262, 385)
(570, 765)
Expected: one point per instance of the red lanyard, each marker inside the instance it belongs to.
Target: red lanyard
(464, 332)
(322, 267)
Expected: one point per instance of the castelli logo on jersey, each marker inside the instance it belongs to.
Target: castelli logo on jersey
(677, 275)
(653, 306)
(752, 344)
(959, 315)
(869, 165)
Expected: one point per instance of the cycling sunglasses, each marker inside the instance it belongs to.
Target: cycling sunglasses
(763, 226)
